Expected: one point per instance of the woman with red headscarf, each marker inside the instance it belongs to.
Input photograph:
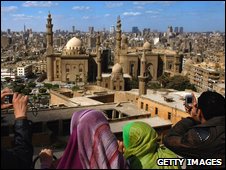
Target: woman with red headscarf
(91, 144)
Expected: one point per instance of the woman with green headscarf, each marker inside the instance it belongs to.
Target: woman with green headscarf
(141, 147)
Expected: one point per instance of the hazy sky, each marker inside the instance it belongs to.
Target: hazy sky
(192, 15)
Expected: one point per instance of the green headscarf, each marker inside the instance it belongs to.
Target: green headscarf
(141, 147)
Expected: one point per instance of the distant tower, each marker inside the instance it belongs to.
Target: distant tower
(49, 50)
(176, 29)
(181, 30)
(73, 29)
(91, 30)
(24, 28)
(99, 71)
(142, 77)
(118, 40)
(112, 29)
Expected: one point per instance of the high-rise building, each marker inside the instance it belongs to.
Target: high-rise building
(170, 29)
(24, 28)
(91, 30)
(73, 28)
(176, 29)
(135, 30)
(8, 31)
(181, 30)
(112, 29)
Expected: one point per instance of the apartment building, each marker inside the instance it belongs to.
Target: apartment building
(24, 70)
(204, 76)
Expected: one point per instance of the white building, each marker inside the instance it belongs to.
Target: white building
(24, 70)
(7, 73)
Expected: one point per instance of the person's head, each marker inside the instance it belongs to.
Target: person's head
(92, 142)
(142, 147)
(136, 132)
(212, 104)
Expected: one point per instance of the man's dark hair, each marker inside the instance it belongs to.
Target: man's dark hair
(212, 104)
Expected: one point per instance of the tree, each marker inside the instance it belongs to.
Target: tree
(31, 85)
(55, 86)
(48, 85)
(134, 83)
(153, 86)
(75, 88)
(8, 79)
(26, 91)
(180, 83)
(164, 79)
(42, 90)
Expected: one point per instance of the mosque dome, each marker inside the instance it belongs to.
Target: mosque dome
(147, 46)
(117, 68)
(73, 43)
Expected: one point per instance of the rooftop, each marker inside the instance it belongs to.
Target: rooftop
(160, 97)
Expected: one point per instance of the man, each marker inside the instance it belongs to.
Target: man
(201, 136)
(20, 156)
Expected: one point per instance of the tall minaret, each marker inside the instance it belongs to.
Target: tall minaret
(49, 49)
(99, 71)
(118, 40)
(142, 77)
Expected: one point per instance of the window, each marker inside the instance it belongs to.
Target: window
(142, 105)
(106, 85)
(146, 108)
(114, 87)
(120, 88)
(169, 115)
(156, 111)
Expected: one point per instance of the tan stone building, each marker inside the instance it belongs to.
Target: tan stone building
(75, 65)
(72, 65)
(168, 104)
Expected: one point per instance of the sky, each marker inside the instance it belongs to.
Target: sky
(194, 16)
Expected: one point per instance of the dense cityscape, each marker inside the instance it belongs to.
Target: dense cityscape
(140, 74)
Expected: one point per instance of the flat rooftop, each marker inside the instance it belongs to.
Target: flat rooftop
(116, 127)
(160, 96)
(84, 101)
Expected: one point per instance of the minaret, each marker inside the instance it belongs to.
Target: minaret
(49, 35)
(118, 40)
(142, 77)
(99, 71)
(49, 49)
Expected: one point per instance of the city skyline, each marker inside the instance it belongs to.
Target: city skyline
(157, 15)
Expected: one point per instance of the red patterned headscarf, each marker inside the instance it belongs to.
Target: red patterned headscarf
(91, 145)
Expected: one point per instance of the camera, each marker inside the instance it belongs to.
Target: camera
(9, 98)
(188, 99)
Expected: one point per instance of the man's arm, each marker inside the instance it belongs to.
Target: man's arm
(183, 139)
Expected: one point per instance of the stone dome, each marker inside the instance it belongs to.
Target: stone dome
(117, 68)
(73, 43)
(147, 46)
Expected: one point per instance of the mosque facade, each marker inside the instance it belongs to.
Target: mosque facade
(74, 64)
